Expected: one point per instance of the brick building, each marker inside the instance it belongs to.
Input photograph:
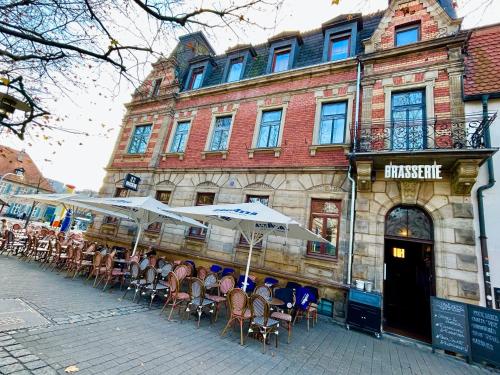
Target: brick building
(275, 123)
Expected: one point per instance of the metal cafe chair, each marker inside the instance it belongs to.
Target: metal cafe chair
(284, 313)
(135, 280)
(198, 300)
(261, 321)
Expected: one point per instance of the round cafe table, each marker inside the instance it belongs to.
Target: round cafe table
(276, 301)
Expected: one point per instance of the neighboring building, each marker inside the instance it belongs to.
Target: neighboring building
(32, 182)
(482, 95)
(275, 123)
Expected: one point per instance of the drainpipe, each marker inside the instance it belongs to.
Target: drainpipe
(483, 240)
(353, 181)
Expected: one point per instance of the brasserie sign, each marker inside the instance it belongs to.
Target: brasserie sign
(413, 172)
(131, 182)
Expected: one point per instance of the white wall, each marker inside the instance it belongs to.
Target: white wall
(491, 200)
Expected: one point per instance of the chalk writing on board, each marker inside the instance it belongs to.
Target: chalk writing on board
(449, 328)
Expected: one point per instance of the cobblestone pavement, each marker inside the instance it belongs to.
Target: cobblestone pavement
(100, 333)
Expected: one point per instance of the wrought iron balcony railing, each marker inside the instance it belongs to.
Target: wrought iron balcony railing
(430, 134)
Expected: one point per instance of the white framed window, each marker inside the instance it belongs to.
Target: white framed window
(180, 135)
(333, 121)
(140, 138)
(220, 133)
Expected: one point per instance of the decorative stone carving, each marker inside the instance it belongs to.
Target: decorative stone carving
(364, 175)
(259, 186)
(464, 175)
(409, 191)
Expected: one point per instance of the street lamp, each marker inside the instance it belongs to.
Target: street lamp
(9, 104)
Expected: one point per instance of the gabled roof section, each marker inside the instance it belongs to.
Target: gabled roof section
(11, 159)
(400, 12)
(285, 35)
(482, 68)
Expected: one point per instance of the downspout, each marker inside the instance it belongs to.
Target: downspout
(353, 181)
(483, 240)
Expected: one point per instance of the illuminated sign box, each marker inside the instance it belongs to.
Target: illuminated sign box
(413, 172)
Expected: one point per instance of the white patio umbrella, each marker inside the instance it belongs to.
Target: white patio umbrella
(68, 201)
(142, 210)
(253, 220)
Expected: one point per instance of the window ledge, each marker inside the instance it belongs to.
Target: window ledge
(313, 149)
(179, 155)
(275, 150)
(322, 257)
(222, 153)
(134, 156)
(196, 239)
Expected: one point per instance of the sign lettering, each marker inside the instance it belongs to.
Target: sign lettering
(131, 182)
(413, 172)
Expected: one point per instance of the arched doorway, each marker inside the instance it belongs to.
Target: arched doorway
(408, 272)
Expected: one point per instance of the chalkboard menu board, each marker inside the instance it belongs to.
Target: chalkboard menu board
(449, 326)
(484, 334)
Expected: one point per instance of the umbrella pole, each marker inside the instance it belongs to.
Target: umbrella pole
(245, 282)
(137, 240)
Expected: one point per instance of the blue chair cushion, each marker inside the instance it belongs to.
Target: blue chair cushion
(227, 271)
(215, 268)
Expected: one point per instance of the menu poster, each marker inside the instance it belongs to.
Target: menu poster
(484, 334)
(449, 326)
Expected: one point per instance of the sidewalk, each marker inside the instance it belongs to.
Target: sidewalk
(100, 333)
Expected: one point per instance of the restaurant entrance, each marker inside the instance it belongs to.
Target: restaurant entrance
(408, 273)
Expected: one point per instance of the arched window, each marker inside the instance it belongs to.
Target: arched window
(408, 222)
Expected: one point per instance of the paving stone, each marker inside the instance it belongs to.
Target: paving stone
(20, 353)
(9, 369)
(28, 358)
(11, 348)
(7, 361)
(35, 365)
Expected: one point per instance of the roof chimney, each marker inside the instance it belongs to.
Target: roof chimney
(20, 156)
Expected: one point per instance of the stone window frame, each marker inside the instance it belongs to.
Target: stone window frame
(231, 57)
(333, 196)
(428, 85)
(129, 142)
(315, 146)
(292, 43)
(171, 136)
(168, 189)
(405, 27)
(156, 87)
(265, 108)
(187, 232)
(206, 151)
(330, 33)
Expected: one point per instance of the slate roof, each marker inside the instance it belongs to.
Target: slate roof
(310, 52)
(482, 68)
(11, 159)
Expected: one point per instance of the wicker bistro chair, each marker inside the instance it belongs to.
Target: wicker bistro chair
(151, 285)
(175, 296)
(262, 322)
(226, 284)
(97, 267)
(161, 262)
(238, 307)
(112, 273)
(284, 313)
(201, 273)
(264, 291)
(210, 281)
(198, 300)
(135, 279)
(81, 264)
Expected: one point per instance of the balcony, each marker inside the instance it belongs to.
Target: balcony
(417, 136)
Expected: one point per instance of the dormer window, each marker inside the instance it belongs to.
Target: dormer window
(156, 87)
(235, 69)
(407, 34)
(196, 78)
(281, 59)
(340, 46)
